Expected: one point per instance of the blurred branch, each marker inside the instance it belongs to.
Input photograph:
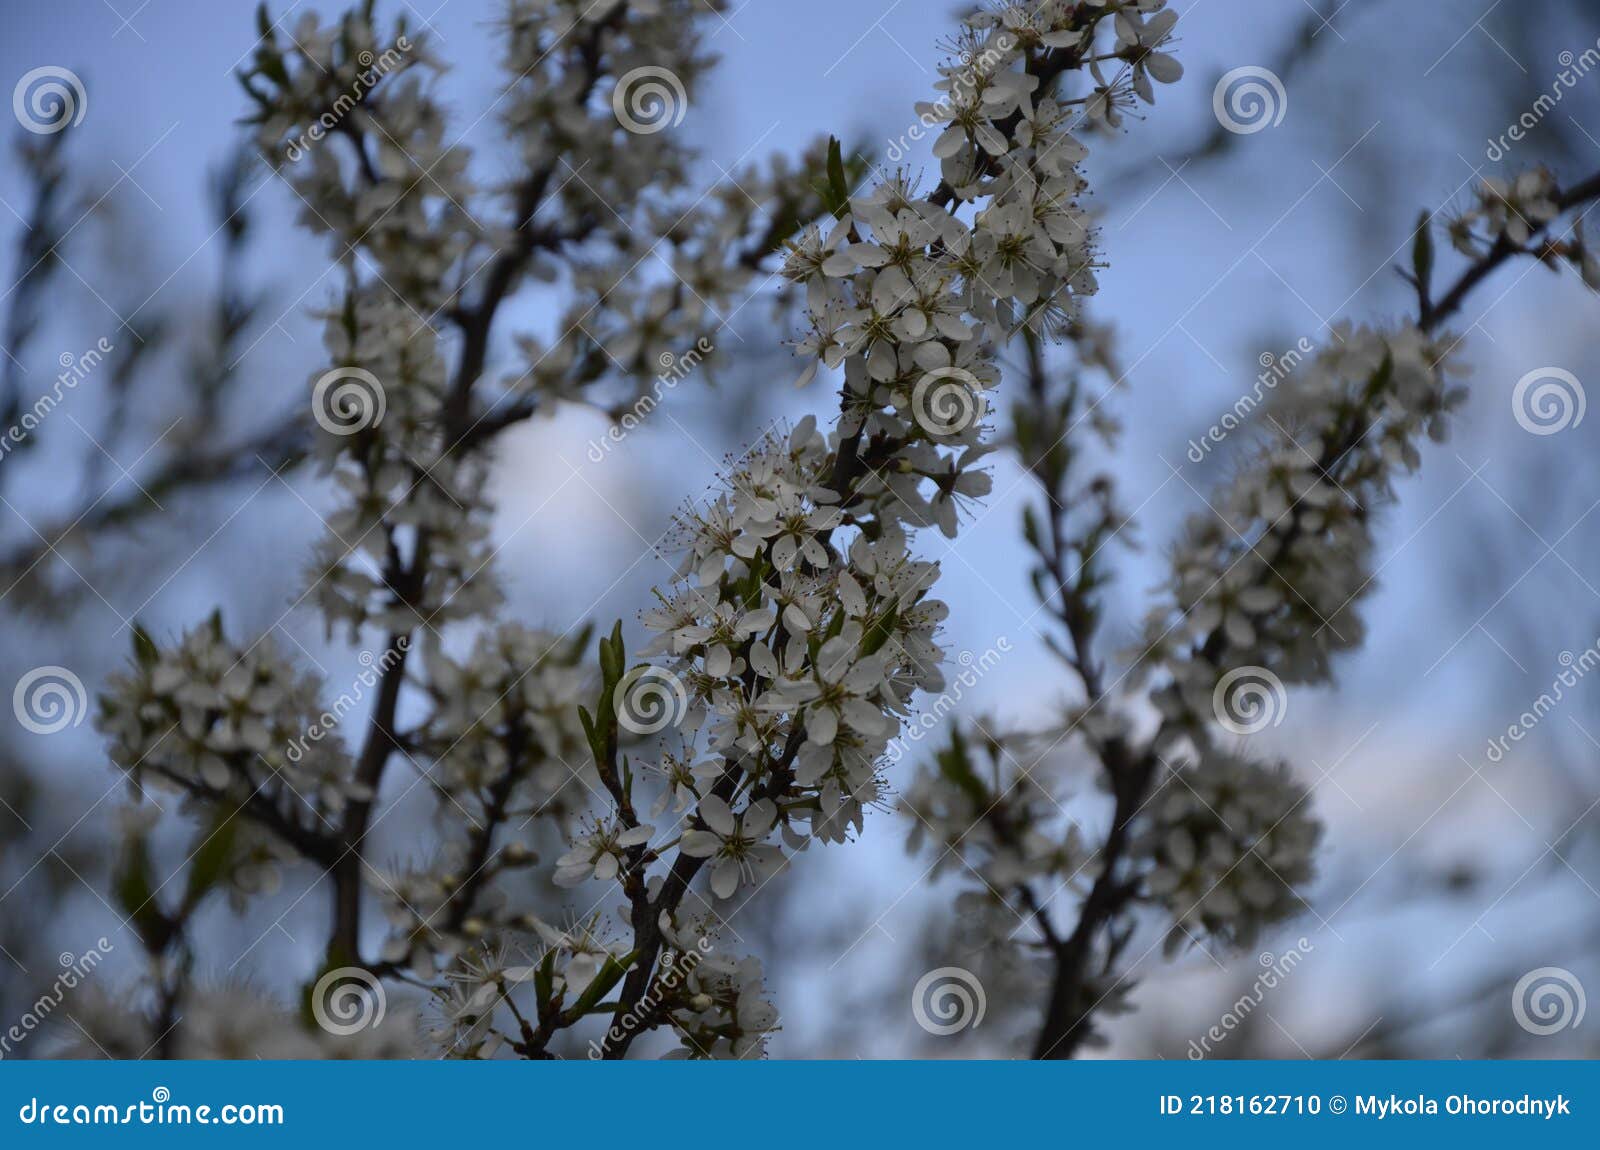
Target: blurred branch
(1471, 996)
(37, 262)
(1217, 143)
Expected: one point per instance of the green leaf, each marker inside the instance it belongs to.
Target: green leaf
(878, 634)
(605, 1007)
(1030, 527)
(838, 185)
(1040, 578)
(1422, 253)
(131, 885)
(1380, 378)
(956, 766)
(145, 651)
(269, 63)
(580, 643)
(209, 861)
(544, 980)
(595, 734)
(612, 656)
(610, 974)
(134, 891)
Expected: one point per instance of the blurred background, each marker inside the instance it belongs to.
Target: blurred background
(1448, 872)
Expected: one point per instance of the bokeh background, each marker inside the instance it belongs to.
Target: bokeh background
(1445, 877)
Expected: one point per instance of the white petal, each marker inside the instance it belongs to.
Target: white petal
(716, 815)
(725, 878)
(699, 844)
(822, 725)
(759, 818)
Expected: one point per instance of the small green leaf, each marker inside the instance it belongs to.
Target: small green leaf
(269, 63)
(838, 184)
(135, 893)
(544, 981)
(1422, 253)
(594, 733)
(579, 644)
(605, 1007)
(209, 861)
(145, 651)
(878, 634)
(956, 767)
(1380, 378)
(131, 886)
(612, 656)
(1040, 578)
(610, 974)
(1030, 527)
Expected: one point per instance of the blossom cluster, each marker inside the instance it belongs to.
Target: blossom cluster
(1512, 212)
(504, 748)
(234, 1021)
(1227, 840)
(1272, 573)
(1006, 836)
(405, 212)
(221, 723)
(398, 479)
(802, 657)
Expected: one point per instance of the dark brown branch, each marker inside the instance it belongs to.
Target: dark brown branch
(1432, 315)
